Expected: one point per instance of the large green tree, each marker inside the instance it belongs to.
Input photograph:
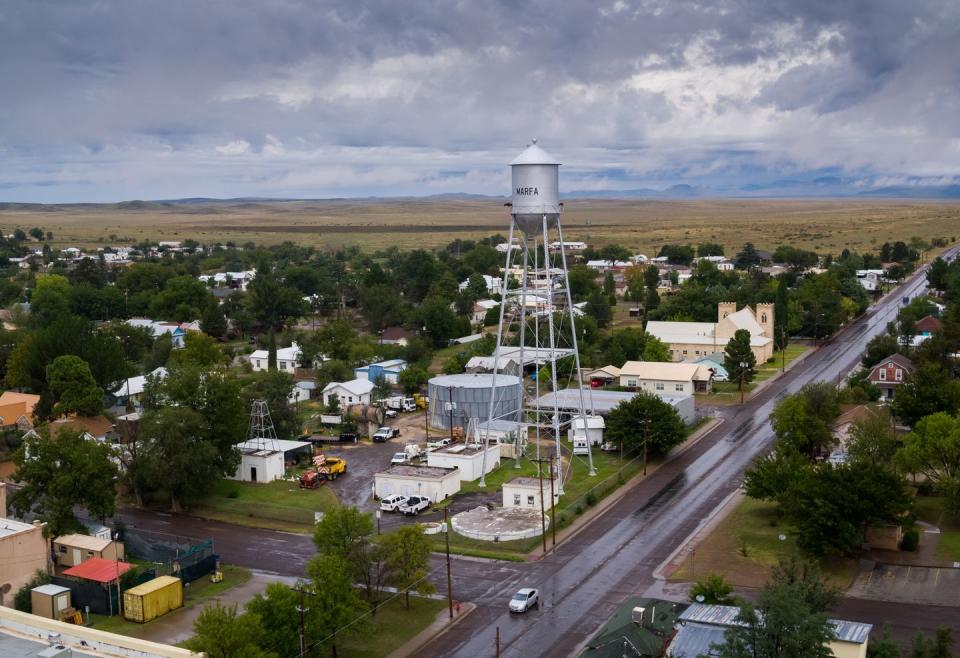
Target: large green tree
(73, 387)
(789, 620)
(278, 610)
(58, 474)
(927, 391)
(645, 416)
(407, 560)
(222, 632)
(739, 359)
(932, 450)
(339, 608)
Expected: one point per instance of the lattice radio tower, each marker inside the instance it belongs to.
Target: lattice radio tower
(261, 433)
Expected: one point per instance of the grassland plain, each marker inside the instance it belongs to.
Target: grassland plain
(824, 225)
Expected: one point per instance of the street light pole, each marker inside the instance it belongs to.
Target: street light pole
(743, 370)
(446, 532)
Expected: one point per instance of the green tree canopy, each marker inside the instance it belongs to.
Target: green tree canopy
(932, 450)
(73, 387)
(407, 560)
(927, 391)
(339, 609)
(60, 473)
(221, 632)
(739, 359)
(645, 415)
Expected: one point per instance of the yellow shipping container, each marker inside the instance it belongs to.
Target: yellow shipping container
(153, 599)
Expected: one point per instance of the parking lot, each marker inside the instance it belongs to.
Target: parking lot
(909, 584)
(364, 459)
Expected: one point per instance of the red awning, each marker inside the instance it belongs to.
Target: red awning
(99, 570)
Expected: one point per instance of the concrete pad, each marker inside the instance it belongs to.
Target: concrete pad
(909, 584)
(500, 524)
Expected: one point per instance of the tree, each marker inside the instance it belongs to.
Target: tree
(938, 647)
(927, 391)
(434, 313)
(879, 348)
(884, 646)
(932, 450)
(36, 233)
(747, 258)
(831, 506)
(278, 610)
(182, 299)
(739, 359)
(213, 321)
(346, 533)
(655, 349)
(198, 350)
(598, 308)
(802, 420)
(58, 474)
(273, 304)
(772, 476)
(50, 300)
(705, 249)
(407, 560)
(781, 313)
(789, 620)
(176, 457)
(413, 378)
(73, 387)
(938, 274)
(221, 632)
(712, 590)
(22, 599)
(275, 387)
(339, 609)
(873, 440)
(645, 416)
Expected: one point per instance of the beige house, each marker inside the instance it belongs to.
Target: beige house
(23, 551)
(689, 340)
(72, 550)
(666, 378)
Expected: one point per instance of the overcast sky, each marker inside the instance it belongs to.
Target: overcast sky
(106, 100)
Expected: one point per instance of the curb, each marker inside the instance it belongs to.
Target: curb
(438, 627)
(598, 510)
(718, 513)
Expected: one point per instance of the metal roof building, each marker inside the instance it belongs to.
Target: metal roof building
(602, 402)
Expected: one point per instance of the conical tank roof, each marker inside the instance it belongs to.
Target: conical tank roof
(534, 155)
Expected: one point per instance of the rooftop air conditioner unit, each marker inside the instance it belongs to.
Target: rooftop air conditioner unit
(637, 615)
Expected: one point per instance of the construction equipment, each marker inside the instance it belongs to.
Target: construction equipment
(329, 467)
(422, 401)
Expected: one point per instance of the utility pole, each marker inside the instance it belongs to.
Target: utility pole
(553, 509)
(302, 609)
(646, 440)
(783, 349)
(543, 514)
(446, 533)
(498, 642)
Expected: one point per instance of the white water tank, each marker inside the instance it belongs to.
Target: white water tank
(536, 189)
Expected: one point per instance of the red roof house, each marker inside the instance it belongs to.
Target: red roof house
(890, 373)
(927, 326)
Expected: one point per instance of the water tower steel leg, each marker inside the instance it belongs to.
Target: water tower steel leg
(496, 355)
(576, 353)
(523, 338)
(553, 350)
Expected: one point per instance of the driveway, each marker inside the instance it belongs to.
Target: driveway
(909, 584)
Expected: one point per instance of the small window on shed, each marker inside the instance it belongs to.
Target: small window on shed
(62, 548)
(516, 499)
(530, 501)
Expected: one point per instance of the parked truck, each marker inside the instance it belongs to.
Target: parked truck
(400, 403)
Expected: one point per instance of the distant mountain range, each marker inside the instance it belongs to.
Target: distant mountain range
(825, 187)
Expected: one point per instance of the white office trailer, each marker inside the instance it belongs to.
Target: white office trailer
(585, 431)
(434, 482)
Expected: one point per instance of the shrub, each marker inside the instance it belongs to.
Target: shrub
(591, 498)
(21, 600)
(911, 540)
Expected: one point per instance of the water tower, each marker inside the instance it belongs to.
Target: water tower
(541, 303)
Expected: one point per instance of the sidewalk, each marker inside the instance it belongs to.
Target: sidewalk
(176, 627)
(587, 517)
(438, 627)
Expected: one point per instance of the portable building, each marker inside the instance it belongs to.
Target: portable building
(153, 599)
(525, 493)
(72, 550)
(50, 601)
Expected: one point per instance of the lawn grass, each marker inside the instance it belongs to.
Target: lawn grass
(729, 392)
(199, 592)
(932, 510)
(391, 628)
(279, 505)
(746, 545)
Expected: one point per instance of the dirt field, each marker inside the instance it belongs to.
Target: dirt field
(821, 225)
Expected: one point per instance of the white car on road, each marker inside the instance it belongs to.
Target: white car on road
(524, 600)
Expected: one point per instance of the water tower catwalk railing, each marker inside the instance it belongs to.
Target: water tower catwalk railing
(535, 211)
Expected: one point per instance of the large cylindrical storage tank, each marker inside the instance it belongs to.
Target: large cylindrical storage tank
(471, 393)
(536, 189)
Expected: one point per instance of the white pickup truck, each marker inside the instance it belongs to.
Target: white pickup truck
(414, 505)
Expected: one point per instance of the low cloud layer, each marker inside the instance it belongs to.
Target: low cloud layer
(114, 100)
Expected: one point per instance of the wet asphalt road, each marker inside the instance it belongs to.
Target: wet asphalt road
(614, 557)
(584, 581)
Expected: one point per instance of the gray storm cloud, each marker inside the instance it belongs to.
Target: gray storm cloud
(114, 99)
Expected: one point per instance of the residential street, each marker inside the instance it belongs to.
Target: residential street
(614, 556)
